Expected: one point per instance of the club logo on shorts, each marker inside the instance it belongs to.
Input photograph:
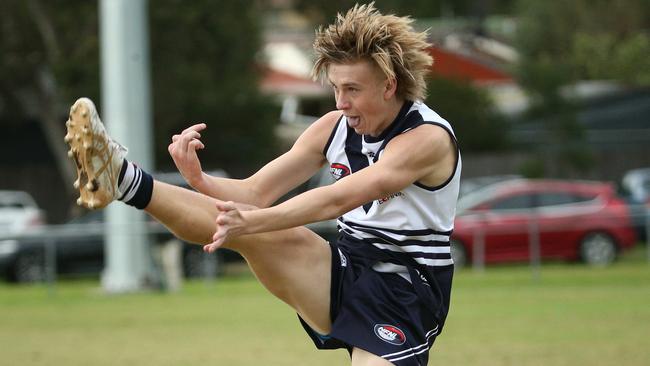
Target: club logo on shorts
(339, 170)
(390, 334)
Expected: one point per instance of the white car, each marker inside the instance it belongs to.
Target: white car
(18, 212)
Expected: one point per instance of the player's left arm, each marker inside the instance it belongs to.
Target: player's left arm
(426, 154)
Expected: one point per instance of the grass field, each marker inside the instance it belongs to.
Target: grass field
(571, 315)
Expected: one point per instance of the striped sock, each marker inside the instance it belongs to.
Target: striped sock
(136, 185)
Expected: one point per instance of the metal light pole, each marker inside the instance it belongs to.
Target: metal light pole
(126, 109)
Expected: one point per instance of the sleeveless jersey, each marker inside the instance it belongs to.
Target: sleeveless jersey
(415, 222)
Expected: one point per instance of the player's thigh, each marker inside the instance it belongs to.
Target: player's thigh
(361, 357)
(295, 265)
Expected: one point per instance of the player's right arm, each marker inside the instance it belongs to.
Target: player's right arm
(268, 184)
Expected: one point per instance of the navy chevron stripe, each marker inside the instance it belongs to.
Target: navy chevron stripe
(424, 243)
(332, 134)
(347, 231)
(428, 255)
(411, 254)
(418, 232)
(395, 128)
(356, 158)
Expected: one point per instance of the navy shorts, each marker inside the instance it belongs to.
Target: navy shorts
(381, 313)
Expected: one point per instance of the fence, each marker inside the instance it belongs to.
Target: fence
(38, 254)
(538, 239)
(44, 248)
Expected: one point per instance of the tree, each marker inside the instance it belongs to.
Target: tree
(43, 60)
(204, 60)
(322, 12)
(471, 112)
(561, 42)
(608, 56)
(588, 39)
(205, 69)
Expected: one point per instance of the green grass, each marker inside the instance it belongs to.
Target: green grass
(571, 315)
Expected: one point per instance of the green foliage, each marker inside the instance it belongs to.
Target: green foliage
(324, 11)
(587, 39)
(203, 58)
(604, 56)
(204, 70)
(47, 49)
(470, 111)
(562, 42)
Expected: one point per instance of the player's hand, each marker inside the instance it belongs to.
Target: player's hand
(230, 223)
(183, 151)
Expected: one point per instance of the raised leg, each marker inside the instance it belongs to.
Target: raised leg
(292, 264)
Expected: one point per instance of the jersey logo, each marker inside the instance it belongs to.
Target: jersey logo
(390, 334)
(389, 197)
(339, 170)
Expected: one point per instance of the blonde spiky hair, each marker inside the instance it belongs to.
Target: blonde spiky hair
(388, 41)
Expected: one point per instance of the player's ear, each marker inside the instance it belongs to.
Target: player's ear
(390, 88)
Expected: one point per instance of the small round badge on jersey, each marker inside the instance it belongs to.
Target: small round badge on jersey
(390, 334)
(339, 170)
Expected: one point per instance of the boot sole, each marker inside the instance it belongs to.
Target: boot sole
(92, 156)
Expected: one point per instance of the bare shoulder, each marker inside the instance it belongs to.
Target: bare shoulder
(428, 149)
(432, 141)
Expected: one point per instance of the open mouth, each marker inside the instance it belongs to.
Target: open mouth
(353, 121)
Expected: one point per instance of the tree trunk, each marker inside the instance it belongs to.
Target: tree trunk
(52, 127)
(48, 114)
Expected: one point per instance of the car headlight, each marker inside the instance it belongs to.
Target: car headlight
(8, 247)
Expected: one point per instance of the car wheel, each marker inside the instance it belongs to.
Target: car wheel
(598, 249)
(30, 267)
(458, 254)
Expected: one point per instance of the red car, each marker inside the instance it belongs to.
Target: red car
(574, 220)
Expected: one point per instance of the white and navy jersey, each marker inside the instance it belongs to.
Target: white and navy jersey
(416, 221)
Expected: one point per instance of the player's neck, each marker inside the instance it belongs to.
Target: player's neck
(393, 107)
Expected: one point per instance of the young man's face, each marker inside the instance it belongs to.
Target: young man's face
(363, 94)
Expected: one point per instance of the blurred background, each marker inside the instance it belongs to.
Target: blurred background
(550, 101)
(541, 89)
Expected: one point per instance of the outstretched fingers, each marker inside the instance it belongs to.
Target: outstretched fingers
(197, 127)
(228, 220)
(183, 150)
(181, 142)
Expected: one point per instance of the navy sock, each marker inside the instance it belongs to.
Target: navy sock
(135, 184)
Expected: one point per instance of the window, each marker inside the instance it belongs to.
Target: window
(10, 205)
(516, 202)
(556, 198)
